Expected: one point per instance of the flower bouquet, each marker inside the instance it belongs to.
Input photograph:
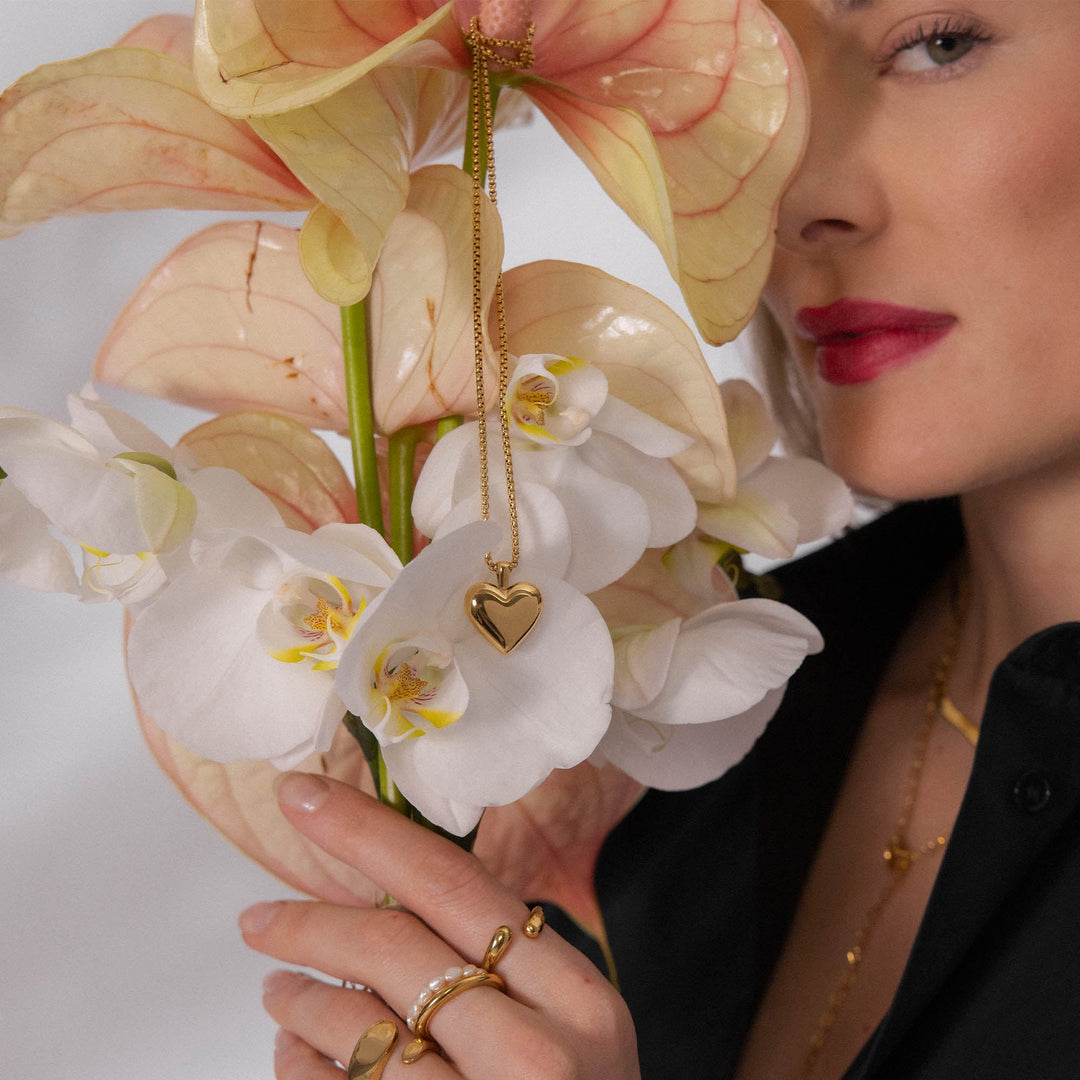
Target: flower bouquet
(282, 613)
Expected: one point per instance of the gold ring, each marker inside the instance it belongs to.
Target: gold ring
(372, 1051)
(467, 978)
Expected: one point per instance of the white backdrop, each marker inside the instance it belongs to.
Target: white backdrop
(118, 943)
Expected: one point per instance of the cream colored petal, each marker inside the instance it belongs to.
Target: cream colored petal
(125, 129)
(750, 426)
(720, 88)
(649, 355)
(354, 150)
(228, 321)
(284, 460)
(421, 302)
(257, 58)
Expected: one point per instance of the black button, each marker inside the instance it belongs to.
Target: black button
(1032, 791)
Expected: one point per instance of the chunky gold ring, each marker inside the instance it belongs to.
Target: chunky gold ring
(372, 1051)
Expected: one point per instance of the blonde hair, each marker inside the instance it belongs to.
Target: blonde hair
(775, 368)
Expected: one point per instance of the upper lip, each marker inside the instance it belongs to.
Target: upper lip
(848, 318)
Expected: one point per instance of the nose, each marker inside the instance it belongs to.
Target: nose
(836, 199)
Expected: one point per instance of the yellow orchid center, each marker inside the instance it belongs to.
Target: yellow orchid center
(414, 690)
(322, 614)
(533, 397)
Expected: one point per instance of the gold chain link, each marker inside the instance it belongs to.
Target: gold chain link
(483, 51)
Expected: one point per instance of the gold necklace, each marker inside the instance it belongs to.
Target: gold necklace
(502, 613)
(899, 855)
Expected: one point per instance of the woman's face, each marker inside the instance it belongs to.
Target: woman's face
(927, 273)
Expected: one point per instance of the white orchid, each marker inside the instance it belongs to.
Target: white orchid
(236, 658)
(461, 725)
(695, 681)
(581, 456)
(113, 489)
(779, 502)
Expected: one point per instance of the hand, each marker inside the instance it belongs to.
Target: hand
(558, 1020)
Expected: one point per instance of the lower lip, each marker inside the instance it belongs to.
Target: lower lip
(845, 361)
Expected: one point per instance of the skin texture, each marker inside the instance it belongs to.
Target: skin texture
(564, 1020)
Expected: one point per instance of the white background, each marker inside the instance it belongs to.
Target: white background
(118, 941)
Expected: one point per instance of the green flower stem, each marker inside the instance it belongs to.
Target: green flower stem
(446, 425)
(401, 460)
(354, 334)
(496, 85)
(391, 795)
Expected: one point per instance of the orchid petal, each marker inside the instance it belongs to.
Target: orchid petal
(244, 703)
(125, 129)
(752, 522)
(651, 594)
(640, 430)
(434, 495)
(693, 560)
(227, 321)
(110, 430)
(670, 506)
(114, 506)
(816, 497)
(678, 757)
(649, 356)
(423, 364)
(256, 59)
(30, 556)
(728, 657)
(750, 427)
(283, 459)
(513, 703)
(642, 660)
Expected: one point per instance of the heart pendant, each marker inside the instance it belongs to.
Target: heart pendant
(504, 615)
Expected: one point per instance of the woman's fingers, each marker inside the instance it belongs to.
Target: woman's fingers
(439, 882)
(294, 1059)
(398, 956)
(327, 1021)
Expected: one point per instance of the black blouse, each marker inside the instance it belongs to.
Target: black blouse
(699, 888)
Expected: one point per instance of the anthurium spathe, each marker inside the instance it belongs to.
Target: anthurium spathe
(780, 502)
(235, 659)
(690, 114)
(604, 461)
(695, 682)
(461, 725)
(125, 128)
(228, 320)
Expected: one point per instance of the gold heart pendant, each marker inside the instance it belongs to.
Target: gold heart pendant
(504, 615)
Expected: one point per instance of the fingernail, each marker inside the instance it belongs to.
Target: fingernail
(276, 982)
(255, 919)
(302, 791)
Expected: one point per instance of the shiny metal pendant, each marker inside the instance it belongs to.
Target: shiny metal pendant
(504, 613)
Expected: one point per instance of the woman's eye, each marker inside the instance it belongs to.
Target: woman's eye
(932, 51)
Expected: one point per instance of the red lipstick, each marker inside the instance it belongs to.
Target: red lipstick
(857, 340)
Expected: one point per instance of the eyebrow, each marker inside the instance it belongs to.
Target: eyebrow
(845, 7)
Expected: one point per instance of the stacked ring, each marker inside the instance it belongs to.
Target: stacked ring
(457, 980)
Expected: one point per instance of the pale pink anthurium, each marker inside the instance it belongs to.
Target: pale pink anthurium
(695, 682)
(461, 725)
(581, 456)
(779, 502)
(236, 658)
(125, 128)
(125, 502)
(691, 114)
(229, 321)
